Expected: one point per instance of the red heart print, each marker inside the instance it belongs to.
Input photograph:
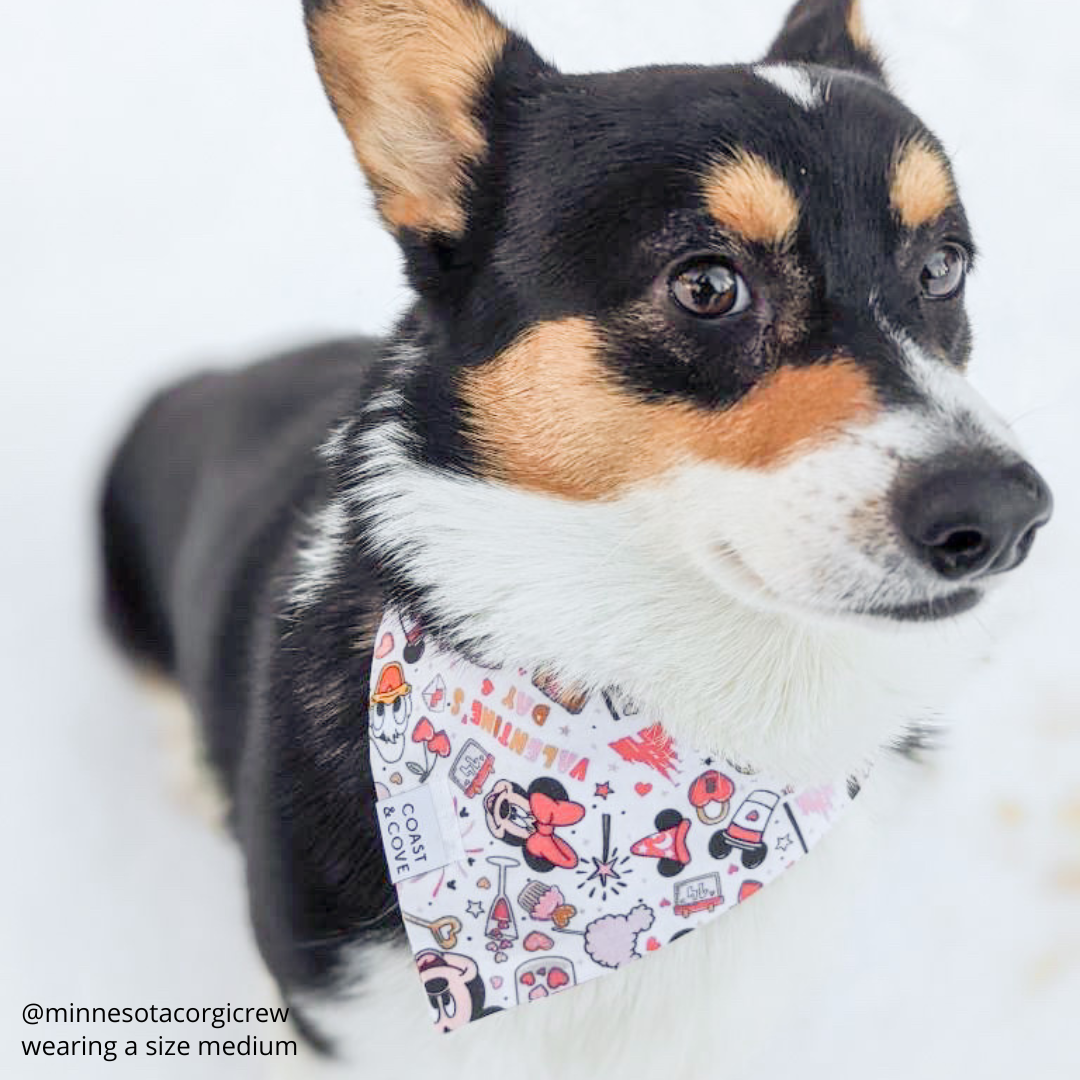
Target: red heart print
(642, 789)
(440, 744)
(487, 686)
(652, 944)
(557, 979)
(423, 730)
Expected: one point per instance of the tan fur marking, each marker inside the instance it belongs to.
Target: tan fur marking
(192, 780)
(856, 28)
(922, 187)
(403, 76)
(746, 195)
(547, 416)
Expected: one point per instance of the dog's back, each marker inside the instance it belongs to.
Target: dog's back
(199, 500)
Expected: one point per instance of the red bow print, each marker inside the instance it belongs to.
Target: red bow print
(549, 814)
(435, 741)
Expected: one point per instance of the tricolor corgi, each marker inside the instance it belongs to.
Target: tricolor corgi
(677, 419)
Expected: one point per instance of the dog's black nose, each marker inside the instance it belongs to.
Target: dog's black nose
(967, 520)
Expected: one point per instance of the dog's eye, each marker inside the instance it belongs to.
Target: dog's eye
(944, 272)
(709, 289)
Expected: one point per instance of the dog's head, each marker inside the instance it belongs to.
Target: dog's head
(706, 323)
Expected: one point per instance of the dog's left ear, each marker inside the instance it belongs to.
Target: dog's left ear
(827, 32)
(407, 79)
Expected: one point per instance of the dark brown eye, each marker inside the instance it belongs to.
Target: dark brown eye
(709, 289)
(944, 272)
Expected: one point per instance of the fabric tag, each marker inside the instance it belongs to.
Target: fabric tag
(412, 835)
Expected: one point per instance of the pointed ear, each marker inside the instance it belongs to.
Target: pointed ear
(405, 78)
(828, 32)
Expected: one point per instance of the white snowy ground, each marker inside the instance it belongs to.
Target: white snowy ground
(174, 190)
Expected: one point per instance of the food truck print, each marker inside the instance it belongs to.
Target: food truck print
(698, 894)
(746, 831)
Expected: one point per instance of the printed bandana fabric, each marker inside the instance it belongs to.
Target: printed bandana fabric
(539, 836)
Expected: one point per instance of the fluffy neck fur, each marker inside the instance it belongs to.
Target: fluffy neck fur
(604, 593)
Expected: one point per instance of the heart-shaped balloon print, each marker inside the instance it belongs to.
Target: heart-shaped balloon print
(535, 942)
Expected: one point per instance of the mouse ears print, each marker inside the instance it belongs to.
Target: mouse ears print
(827, 32)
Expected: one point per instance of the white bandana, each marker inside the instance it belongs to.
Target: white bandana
(540, 837)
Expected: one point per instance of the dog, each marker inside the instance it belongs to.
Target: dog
(679, 408)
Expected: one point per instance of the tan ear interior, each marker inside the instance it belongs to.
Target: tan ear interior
(856, 28)
(404, 76)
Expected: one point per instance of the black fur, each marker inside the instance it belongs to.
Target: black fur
(203, 508)
(816, 32)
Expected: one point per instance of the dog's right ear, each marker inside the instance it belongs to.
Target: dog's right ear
(827, 32)
(405, 78)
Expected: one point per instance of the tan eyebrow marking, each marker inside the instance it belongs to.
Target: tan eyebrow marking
(746, 195)
(547, 416)
(922, 187)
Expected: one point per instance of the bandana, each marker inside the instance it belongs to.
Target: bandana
(540, 835)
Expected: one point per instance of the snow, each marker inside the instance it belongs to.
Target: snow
(174, 191)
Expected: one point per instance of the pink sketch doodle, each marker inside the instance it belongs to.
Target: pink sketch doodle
(611, 940)
(543, 976)
(435, 694)
(698, 894)
(817, 800)
(651, 746)
(535, 941)
(546, 903)
(471, 768)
